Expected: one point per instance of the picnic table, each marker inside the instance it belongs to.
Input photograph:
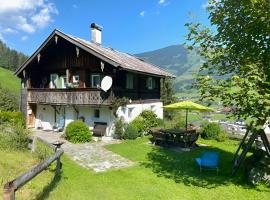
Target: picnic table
(175, 137)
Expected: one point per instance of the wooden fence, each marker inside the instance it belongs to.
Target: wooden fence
(11, 187)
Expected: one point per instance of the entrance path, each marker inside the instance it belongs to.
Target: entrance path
(89, 155)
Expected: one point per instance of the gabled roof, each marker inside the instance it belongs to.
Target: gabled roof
(114, 57)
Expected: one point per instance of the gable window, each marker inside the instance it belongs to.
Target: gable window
(95, 80)
(150, 83)
(96, 113)
(130, 81)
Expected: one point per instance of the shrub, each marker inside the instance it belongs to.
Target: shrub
(42, 151)
(13, 137)
(211, 131)
(223, 136)
(119, 126)
(14, 118)
(131, 132)
(78, 132)
(9, 101)
(138, 122)
(145, 121)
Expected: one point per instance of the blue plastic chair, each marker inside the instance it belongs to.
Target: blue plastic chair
(208, 160)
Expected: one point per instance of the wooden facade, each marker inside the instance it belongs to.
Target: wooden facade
(65, 59)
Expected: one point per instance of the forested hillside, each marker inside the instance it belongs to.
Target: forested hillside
(9, 58)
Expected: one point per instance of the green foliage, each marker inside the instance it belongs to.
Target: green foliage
(167, 95)
(138, 122)
(9, 81)
(117, 102)
(10, 59)
(13, 118)
(131, 132)
(8, 100)
(222, 136)
(236, 56)
(119, 128)
(42, 151)
(78, 132)
(211, 131)
(13, 137)
(145, 121)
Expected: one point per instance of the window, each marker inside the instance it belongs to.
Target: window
(129, 81)
(130, 112)
(149, 83)
(76, 79)
(95, 80)
(96, 113)
(53, 78)
(64, 81)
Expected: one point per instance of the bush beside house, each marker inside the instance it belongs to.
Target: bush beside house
(141, 125)
(78, 132)
(13, 134)
(15, 118)
(212, 131)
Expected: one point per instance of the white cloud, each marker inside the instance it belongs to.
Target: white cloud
(160, 2)
(26, 16)
(23, 38)
(142, 13)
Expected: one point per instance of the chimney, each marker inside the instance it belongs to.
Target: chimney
(96, 33)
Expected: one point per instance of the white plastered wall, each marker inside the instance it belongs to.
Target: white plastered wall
(131, 111)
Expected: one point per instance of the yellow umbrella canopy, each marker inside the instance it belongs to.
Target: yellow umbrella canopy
(187, 105)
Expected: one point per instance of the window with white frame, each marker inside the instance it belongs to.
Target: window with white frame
(129, 81)
(150, 83)
(95, 80)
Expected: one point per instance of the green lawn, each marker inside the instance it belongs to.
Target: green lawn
(157, 174)
(9, 80)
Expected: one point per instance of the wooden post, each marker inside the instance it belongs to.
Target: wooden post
(8, 193)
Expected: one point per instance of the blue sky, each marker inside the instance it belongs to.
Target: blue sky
(131, 26)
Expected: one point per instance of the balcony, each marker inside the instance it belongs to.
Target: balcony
(78, 96)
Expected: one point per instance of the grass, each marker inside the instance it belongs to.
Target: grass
(9, 81)
(14, 163)
(157, 174)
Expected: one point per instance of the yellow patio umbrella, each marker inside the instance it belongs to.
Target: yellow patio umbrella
(187, 105)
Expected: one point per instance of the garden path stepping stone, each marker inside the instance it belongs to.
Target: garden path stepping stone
(89, 155)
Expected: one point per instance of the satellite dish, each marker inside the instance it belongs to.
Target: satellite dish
(106, 83)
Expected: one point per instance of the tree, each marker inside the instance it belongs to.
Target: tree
(166, 94)
(236, 55)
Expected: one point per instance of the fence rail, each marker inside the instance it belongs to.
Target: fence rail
(11, 187)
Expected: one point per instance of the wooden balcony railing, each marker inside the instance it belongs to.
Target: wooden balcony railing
(78, 96)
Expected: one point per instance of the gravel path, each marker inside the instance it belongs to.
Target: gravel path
(89, 155)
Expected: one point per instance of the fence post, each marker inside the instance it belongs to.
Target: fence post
(58, 145)
(8, 193)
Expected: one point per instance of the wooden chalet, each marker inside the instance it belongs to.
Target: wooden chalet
(61, 81)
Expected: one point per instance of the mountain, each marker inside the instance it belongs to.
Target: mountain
(9, 58)
(178, 60)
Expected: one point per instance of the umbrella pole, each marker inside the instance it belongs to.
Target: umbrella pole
(186, 117)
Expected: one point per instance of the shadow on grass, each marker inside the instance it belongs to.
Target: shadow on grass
(181, 167)
(50, 187)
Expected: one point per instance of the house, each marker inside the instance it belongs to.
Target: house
(61, 81)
